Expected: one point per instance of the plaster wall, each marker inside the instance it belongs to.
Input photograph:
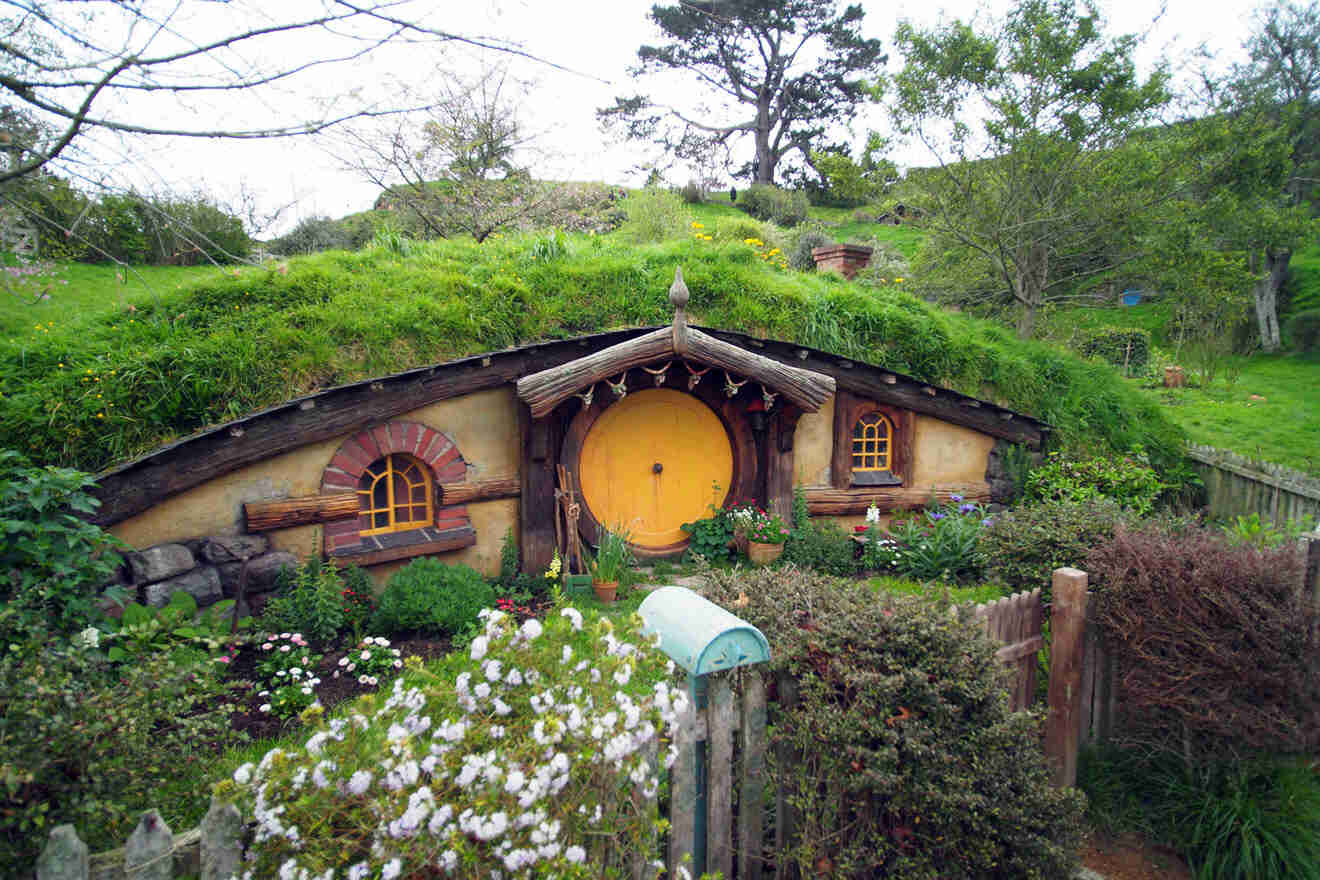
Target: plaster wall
(813, 445)
(946, 453)
(484, 426)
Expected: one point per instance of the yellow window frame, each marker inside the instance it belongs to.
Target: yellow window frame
(378, 500)
(872, 443)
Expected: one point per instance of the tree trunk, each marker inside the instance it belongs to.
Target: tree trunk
(1030, 286)
(1265, 292)
(765, 157)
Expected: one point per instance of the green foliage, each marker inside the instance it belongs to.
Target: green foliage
(711, 538)
(901, 735)
(1130, 481)
(176, 629)
(1303, 329)
(1129, 349)
(774, 205)
(1251, 530)
(87, 742)
(428, 596)
(1023, 547)
(312, 603)
(822, 546)
(1241, 819)
(285, 674)
(314, 234)
(579, 778)
(692, 193)
(613, 554)
(52, 561)
(942, 543)
(508, 557)
(359, 602)
(654, 215)
(800, 257)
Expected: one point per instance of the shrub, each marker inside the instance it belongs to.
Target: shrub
(739, 229)
(428, 596)
(654, 215)
(1217, 644)
(1128, 480)
(1303, 329)
(314, 234)
(1023, 547)
(1125, 348)
(765, 202)
(359, 602)
(94, 744)
(823, 546)
(520, 759)
(902, 736)
(710, 537)
(311, 602)
(52, 561)
(937, 544)
(692, 193)
(801, 257)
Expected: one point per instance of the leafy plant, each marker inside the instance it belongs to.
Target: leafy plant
(613, 555)
(711, 537)
(428, 596)
(901, 735)
(654, 215)
(822, 546)
(175, 627)
(508, 557)
(285, 671)
(1304, 330)
(775, 205)
(1023, 547)
(313, 604)
(52, 560)
(1252, 530)
(359, 603)
(1125, 348)
(942, 543)
(1128, 480)
(371, 659)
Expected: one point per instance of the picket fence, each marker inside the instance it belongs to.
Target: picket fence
(1239, 486)
(727, 738)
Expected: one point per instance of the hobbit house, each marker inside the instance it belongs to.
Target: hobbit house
(645, 428)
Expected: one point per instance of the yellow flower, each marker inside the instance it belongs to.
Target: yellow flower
(100, 415)
(696, 225)
(898, 280)
(774, 251)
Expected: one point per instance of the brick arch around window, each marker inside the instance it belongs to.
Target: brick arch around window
(450, 529)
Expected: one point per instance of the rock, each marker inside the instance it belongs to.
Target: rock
(234, 548)
(160, 562)
(222, 844)
(262, 572)
(202, 582)
(148, 853)
(65, 856)
(1087, 874)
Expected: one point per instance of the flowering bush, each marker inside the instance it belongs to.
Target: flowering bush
(372, 658)
(938, 544)
(285, 669)
(529, 756)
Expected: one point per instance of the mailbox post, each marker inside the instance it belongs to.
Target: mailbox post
(703, 639)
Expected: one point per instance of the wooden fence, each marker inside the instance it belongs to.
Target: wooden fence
(1240, 486)
(720, 771)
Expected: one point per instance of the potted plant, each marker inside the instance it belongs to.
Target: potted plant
(613, 555)
(741, 520)
(765, 538)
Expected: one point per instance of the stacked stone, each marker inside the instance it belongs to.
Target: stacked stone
(208, 569)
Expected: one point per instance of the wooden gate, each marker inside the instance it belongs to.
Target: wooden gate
(1018, 622)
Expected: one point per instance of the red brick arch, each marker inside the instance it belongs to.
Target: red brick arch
(355, 455)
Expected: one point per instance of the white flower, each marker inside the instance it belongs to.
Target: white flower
(88, 638)
(243, 775)
(531, 628)
(479, 647)
(359, 781)
(448, 861)
(575, 854)
(264, 707)
(365, 655)
(493, 671)
(515, 781)
(482, 691)
(574, 616)
(285, 649)
(391, 869)
(358, 871)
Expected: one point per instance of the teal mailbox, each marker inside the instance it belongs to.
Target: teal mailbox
(699, 635)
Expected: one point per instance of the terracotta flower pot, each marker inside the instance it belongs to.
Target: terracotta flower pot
(763, 554)
(605, 590)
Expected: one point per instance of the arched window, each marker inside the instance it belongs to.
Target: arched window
(871, 438)
(394, 494)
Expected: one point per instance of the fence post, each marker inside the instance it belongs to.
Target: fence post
(149, 853)
(752, 789)
(65, 856)
(719, 775)
(221, 844)
(1311, 574)
(1068, 622)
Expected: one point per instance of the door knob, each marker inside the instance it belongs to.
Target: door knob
(657, 468)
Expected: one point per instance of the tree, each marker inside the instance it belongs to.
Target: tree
(1275, 99)
(460, 170)
(780, 71)
(1041, 183)
(83, 69)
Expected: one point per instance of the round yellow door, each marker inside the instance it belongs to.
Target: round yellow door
(653, 461)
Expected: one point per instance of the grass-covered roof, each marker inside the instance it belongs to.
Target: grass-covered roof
(111, 383)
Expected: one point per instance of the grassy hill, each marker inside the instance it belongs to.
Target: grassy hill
(121, 375)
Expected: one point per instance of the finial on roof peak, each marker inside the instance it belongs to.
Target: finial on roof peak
(678, 292)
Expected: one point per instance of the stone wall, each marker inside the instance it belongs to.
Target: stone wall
(208, 568)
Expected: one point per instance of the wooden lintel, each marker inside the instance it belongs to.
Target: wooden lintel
(482, 490)
(263, 516)
(842, 502)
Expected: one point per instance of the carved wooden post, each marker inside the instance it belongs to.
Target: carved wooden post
(65, 856)
(1068, 623)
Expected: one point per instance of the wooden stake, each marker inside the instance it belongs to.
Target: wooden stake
(1068, 624)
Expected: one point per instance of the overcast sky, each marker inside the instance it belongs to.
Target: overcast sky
(596, 42)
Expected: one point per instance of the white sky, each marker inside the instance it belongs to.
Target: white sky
(599, 41)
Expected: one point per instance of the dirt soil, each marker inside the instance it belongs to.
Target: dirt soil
(1132, 857)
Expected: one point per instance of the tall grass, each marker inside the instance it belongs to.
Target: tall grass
(106, 385)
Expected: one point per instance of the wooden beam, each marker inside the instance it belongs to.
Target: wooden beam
(841, 502)
(482, 490)
(536, 509)
(808, 389)
(263, 516)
